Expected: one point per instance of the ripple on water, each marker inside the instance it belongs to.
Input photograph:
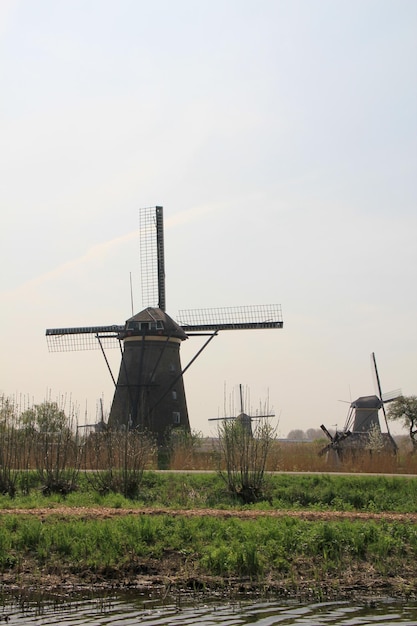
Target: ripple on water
(139, 609)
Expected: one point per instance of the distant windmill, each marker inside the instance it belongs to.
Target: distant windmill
(149, 390)
(243, 418)
(362, 421)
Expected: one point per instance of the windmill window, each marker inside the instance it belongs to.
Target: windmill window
(174, 394)
(176, 417)
(156, 325)
(172, 368)
(144, 325)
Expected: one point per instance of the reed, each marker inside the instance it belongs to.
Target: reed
(47, 437)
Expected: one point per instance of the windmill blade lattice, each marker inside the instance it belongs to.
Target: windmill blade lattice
(83, 338)
(390, 396)
(152, 260)
(232, 318)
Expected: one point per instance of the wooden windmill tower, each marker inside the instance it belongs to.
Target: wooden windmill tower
(149, 390)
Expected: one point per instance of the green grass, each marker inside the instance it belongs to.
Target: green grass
(261, 549)
(345, 493)
(283, 491)
(209, 546)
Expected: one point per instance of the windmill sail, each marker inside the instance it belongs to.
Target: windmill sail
(82, 338)
(264, 316)
(152, 257)
(384, 398)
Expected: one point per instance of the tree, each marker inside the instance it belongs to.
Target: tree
(404, 409)
(296, 435)
(56, 455)
(45, 418)
(312, 434)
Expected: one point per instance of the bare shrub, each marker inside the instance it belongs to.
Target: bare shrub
(15, 447)
(243, 452)
(119, 459)
(9, 456)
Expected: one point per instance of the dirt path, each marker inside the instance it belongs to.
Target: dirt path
(105, 513)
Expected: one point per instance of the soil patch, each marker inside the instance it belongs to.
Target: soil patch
(106, 513)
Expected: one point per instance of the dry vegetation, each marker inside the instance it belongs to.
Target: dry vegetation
(46, 439)
(291, 456)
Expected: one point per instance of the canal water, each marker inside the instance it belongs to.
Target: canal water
(128, 610)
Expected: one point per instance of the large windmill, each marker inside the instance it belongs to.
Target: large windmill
(149, 390)
(363, 423)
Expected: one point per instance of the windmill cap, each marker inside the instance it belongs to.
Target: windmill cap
(158, 321)
(367, 402)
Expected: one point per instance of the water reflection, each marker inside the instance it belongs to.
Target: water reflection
(140, 609)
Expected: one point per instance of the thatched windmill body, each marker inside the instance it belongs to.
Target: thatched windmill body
(149, 389)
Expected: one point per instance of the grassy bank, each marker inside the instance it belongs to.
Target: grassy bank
(287, 554)
(208, 490)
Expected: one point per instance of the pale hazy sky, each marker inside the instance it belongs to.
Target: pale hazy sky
(280, 137)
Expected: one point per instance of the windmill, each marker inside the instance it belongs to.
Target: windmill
(362, 423)
(149, 389)
(243, 418)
